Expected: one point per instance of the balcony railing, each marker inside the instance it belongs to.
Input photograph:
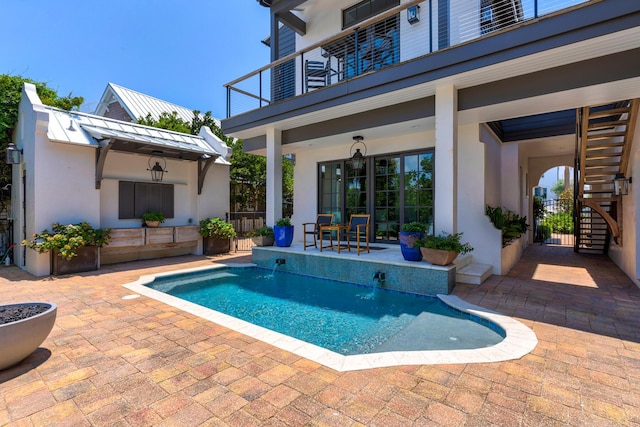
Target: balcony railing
(384, 40)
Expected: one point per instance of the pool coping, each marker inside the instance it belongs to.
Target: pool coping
(519, 341)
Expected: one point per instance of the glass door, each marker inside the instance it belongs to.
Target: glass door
(387, 198)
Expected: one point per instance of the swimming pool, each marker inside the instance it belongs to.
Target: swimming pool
(396, 348)
(342, 317)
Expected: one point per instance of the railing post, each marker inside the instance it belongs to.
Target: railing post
(357, 52)
(260, 89)
(228, 102)
(535, 8)
(302, 71)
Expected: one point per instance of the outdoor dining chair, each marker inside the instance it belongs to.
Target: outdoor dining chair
(313, 228)
(358, 228)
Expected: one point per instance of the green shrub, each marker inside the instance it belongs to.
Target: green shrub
(216, 228)
(415, 227)
(152, 216)
(262, 231)
(283, 222)
(511, 224)
(66, 239)
(561, 222)
(446, 242)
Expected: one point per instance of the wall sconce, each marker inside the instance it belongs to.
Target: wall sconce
(357, 158)
(14, 154)
(621, 185)
(157, 170)
(413, 14)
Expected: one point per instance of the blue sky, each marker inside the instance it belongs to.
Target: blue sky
(179, 51)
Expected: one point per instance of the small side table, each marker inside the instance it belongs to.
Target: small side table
(339, 228)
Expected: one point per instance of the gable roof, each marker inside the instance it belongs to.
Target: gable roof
(138, 105)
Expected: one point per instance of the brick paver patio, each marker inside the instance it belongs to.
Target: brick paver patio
(138, 362)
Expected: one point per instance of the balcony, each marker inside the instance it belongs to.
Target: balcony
(383, 41)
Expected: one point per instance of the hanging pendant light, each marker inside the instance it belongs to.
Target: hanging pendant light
(159, 168)
(357, 158)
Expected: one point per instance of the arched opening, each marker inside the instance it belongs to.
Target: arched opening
(553, 207)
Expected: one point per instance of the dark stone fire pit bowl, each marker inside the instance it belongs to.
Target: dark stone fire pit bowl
(23, 327)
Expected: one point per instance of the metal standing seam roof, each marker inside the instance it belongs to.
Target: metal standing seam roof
(138, 105)
(87, 129)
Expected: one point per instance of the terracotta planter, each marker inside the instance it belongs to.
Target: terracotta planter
(438, 257)
(88, 259)
(262, 240)
(152, 224)
(215, 246)
(20, 338)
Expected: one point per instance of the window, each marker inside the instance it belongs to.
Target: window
(396, 189)
(135, 198)
(365, 10)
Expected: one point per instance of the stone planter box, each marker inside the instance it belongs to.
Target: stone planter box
(88, 259)
(20, 338)
(215, 246)
(512, 253)
(262, 240)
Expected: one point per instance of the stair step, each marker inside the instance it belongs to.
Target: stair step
(602, 156)
(605, 146)
(606, 125)
(608, 113)
(605, 135)
(601, 165)
(474, 273)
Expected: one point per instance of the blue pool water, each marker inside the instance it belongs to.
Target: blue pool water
(345, 318)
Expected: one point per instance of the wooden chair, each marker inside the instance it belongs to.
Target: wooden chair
(321, 219)
(358, 227)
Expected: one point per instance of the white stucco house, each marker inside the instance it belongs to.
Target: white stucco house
(477, 99)
(76, 167)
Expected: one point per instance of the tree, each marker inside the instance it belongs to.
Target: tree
(558, 187)
(10, 90)
(169, 121)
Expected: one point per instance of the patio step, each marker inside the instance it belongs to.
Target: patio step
(473, 273)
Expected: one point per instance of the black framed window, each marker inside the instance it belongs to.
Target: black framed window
(365, 10)
(135, 198)
(395, 188)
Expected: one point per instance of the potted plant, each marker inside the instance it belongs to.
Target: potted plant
(23, 327)
(152, 218)
(216, 235)
(74, 246)
(263, 236)
(283, 232)
(443, 249)
(409, 234)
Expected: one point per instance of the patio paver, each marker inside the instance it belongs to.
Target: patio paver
(139, 362)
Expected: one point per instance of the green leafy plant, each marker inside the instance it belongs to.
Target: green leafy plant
(511, 224)
(262, 231)
(152, 216)
(445, 242)
(216, 228)
(283, 222)
(66, 239)
(415, 227)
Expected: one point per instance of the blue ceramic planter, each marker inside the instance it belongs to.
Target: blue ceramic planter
(409, 252)
(283, 235)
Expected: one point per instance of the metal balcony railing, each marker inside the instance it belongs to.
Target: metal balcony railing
(386, 39)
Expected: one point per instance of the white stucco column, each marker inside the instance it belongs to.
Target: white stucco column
(274, 175)
(446, 163)
(510, 170)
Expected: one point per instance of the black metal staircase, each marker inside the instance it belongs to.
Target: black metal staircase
(603, 143)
